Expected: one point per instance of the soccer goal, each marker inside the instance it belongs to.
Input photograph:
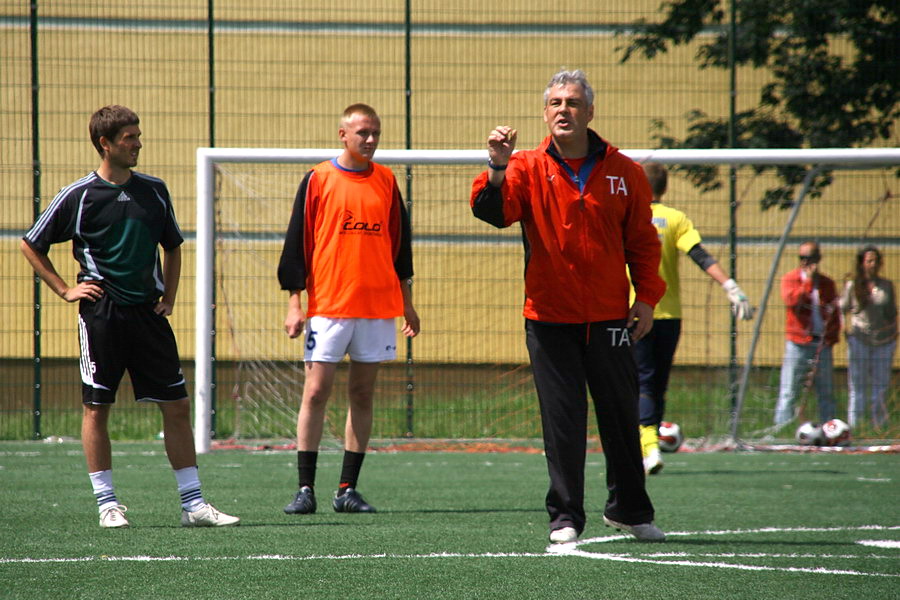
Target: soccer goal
(466, 375)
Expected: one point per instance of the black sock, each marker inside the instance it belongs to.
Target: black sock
(350, 470)
(306, 467)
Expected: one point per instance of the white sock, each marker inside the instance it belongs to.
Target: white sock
(101, 481)
(189, 489)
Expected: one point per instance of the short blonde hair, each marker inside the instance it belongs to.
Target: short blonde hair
(359, 109)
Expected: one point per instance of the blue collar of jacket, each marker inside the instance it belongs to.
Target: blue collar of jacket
(597, 149)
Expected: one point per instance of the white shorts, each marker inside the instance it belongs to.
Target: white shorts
(365, 340)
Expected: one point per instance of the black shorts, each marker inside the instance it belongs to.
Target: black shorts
(116, 338)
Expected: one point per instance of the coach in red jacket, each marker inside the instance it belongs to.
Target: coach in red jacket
(584, 209)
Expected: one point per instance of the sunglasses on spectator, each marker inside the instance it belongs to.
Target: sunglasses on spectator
(810, 257)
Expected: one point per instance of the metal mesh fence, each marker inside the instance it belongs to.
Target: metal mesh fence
(278, 74)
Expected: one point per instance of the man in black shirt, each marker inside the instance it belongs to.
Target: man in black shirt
(117, 219)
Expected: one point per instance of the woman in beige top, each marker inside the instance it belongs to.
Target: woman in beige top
(870, 313)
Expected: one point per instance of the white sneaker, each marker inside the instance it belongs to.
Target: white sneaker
(564, 535)
(207, 516)
(113, 517)
(653, 463)
(644, 532)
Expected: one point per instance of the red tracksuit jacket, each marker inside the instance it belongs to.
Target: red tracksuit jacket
(580, 231)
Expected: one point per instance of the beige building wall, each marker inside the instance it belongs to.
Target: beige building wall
(285, 87)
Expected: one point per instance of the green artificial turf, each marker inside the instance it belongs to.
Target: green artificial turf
(450, 525)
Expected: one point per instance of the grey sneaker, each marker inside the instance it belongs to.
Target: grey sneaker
(564, 535)
(644, 532)
(113, 517)
(304, 503)
(207, 516)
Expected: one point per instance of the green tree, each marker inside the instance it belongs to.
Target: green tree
(821, 95)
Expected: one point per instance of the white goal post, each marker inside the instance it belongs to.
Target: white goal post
(207, 158)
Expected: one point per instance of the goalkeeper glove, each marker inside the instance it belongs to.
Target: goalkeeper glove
(740, 305)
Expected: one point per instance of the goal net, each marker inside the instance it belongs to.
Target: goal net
(466, 376)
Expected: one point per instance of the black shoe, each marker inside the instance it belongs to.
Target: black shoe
(352, 502)
(304, 502)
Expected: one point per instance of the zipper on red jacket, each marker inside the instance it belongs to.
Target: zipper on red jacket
(580, 180)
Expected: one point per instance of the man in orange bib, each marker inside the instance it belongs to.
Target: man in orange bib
(348, 245)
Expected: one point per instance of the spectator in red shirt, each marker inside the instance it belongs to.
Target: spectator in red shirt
(812, 328)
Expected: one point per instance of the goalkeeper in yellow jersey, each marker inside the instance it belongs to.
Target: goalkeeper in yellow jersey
(655, 351)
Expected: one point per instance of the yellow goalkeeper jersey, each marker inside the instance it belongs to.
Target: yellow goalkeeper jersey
(676, 232)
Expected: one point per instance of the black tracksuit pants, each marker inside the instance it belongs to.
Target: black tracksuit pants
(567, 360)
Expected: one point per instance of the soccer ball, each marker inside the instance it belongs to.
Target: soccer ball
(810, 434)
(670, 437)
(836, 433)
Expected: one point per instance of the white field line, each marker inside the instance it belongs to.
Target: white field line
(880, 543)
(684, 559)
(654, 558)
(279, 557)
(722, 565)
(761, 555)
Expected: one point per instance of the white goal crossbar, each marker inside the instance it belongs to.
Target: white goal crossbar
(207, 158)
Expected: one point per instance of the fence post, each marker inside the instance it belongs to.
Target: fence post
(211, 63)
(410, 373)
(36, 211)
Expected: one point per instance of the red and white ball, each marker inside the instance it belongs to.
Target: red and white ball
(836, 433)
(670, 437)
